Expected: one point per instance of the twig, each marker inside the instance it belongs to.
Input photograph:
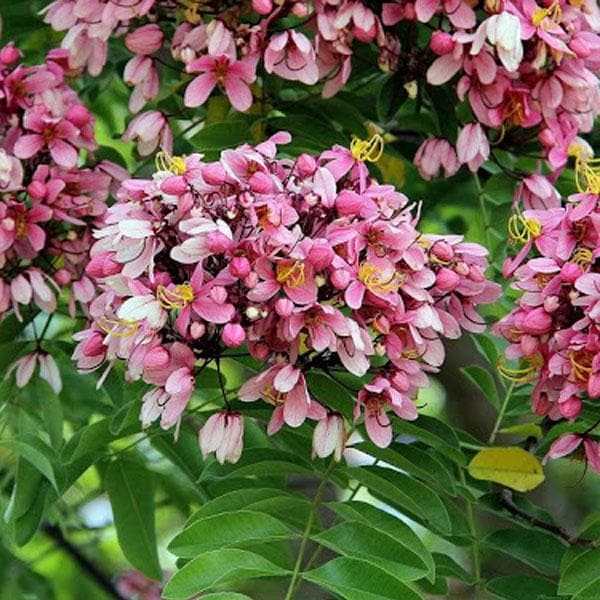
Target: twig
(507, 502)
(85, 565)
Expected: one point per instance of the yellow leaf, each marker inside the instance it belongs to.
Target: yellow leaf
(524, 430)
(513, 467)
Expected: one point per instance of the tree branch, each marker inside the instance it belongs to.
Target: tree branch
(101, 579)
(507, 502)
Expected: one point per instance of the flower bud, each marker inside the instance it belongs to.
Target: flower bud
(570, 408)
(233, 335)
(145, 40)
(441, 43)
(306, 165)
(197, 330)
(442, 250)
(218, 294)
(348, 203)
(570, 272)
(79, 115)
(284, 307)
(340, 278)
(213, 174)
(9, 54)
(94, 345)
(260, 183)
(174, 186)
(537, 321)
(240, 267)
(157, 358)
(62, 277)
(37, 190)
(262, 7)
(447, 280)
(320, 255)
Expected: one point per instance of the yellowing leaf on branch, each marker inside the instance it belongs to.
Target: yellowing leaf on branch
(513, 467)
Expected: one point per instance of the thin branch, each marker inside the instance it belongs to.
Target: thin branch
(85, 565)
(507, 502)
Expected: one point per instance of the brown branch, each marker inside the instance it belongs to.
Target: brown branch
(87, 566)
(507, 502)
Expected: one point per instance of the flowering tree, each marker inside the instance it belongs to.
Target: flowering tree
(241, 247)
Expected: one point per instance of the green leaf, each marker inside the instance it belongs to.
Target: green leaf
(220, 136)
(131, 493)
(499, 189)
(36, 452)
(227, 565)
(360, 540)
(512, 466)
(539, 550)
(483, 380)
(580, 576)
(405, 492)
(521, 587)
(356, 579)
(445, 565)
(486, 347)
(225, 596)
(414, 551)
(391, 97)
(239, 528)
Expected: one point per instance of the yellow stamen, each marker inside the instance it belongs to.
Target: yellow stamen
(524, 374)
(179, 297)
(165, 162)
(291, 275)
(587, 172)
(522, 229)
(118, 327)
(581, 365)
(274, 397)
(367, 150)
(375, 281)
(553, 12)
(582, 257)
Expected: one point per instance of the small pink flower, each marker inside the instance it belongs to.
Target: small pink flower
(291, 55)
(150, 129)
(223, 433)
(145, 40)
(329, 437)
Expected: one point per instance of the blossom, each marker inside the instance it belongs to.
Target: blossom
(291, 55)
(223, 433)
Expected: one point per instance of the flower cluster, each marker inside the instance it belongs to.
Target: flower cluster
(524, 66)
(310, 263)
(554, 331)
(47, 205)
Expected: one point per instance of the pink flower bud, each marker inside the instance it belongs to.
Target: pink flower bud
(145, 40)
(262, 7)
(546, 137)
(251, 280)
(102, 265)
(442, 250)
(259, 351)
(62, 277)
(579, 46)
(223, 434)
(94, 345)
(300, 10)
(306, 165)
(348, 203)
(564, 445)
(240, 267)
(441, 43)
(320, 255)
(551, 303)
(570, 408)
(329, 437)
(157, 358)
(213, 174)
(476, 274)
(79, 115)
(340, 278)
(570, 272)
(37, 190)
(197, 330)
(9, 54)
(174, 186)
(233, 335)
(447, 280)
(284, 307)
(537, 321)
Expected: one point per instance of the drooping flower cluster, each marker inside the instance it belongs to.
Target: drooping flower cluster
(310, 263)
(554, 331)
(47, 205)
(527, 65)
(522, 64)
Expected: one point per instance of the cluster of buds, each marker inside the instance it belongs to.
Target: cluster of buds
(48, 206)
(309, 263)
(554, 330)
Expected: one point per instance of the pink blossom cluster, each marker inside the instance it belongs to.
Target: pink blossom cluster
(47, 204)
(220, 45)
(554, 330)
(310, 263)
(526, 65)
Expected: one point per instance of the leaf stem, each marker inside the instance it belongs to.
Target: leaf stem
(306, 534)
(501, 412)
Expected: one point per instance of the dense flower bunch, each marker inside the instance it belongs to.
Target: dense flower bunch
(47, 205)
(522, 65)
(310, 263)
(554, 331)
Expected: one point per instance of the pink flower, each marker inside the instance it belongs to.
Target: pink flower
(329, 437)
(25, 368)
(150, 129)
(433, 155)
(472, 146)
(291, 55)
(145, 40)
(223, 433)
(58, 135)
(11, 172)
